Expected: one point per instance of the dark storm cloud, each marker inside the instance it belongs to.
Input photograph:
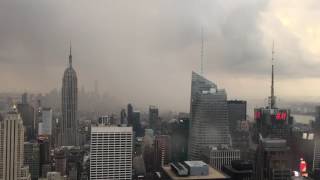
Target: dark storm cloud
(141, 51)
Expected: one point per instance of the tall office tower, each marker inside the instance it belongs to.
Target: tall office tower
(27, 113)
(209, 116)
(123, 117)
(45, 128)
(154, 117)
(272, 160)
(32, 158)
(130, 115)
(237, 112)
(179, 132)
(220, 156)
(69, 108)
(11, 146)
(162, 151)
(137, 124)
(111, 152)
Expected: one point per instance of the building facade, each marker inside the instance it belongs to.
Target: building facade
(209, 116)
(11, 146)
(111, 152)
(69, 107)
(162, 151)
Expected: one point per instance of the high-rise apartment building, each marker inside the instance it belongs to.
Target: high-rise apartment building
(208, 115)
(69, 106)
(111, 152)
(11, 146)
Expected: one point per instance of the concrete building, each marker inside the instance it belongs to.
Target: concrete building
(111, 152)
(11, 146)
(209, 116)
(69, 107)
(220, 156)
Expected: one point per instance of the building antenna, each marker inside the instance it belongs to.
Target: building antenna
(70, 56)
(202, 51)
(272, 98)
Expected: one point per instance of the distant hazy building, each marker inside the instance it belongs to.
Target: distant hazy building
(32, 158)
(27, 113)
(208, 115)
(130, 114)
(69, 107)
(137, 124)
(123, 117)
(218, 157)
(11, 146)
(111, 152)
(46, 127)
(60, 161)
(153, 117)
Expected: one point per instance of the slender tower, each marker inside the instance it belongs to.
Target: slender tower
(202, 52)
(69, 106)
(272, 97)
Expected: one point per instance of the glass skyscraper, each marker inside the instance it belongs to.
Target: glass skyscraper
(209, 116)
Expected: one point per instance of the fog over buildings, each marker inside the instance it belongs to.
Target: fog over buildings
(144, 51)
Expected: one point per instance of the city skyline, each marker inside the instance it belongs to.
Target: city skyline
(163, 46)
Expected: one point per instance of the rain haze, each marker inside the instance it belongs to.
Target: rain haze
(144, 51)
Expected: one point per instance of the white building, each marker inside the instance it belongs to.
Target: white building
(11, 147)
(111, 152)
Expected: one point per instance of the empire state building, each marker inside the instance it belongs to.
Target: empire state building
(69, 107)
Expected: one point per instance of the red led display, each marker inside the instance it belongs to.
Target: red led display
(281, 116)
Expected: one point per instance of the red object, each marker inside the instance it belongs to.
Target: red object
(257, 115)
(281, 116)
(303, 166)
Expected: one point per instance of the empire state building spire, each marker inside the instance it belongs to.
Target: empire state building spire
(70, 57)
(272, 97)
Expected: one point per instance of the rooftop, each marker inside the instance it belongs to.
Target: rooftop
(213, 174)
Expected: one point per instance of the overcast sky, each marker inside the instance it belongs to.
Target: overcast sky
(143, 51)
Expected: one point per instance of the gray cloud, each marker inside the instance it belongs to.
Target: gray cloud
(142, 51)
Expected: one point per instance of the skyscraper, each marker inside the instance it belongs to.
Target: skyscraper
(209, 116)
(27, 113)
(111, 152)
(130, 115)
(69, 106)
(11, 146)
(153, 117)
